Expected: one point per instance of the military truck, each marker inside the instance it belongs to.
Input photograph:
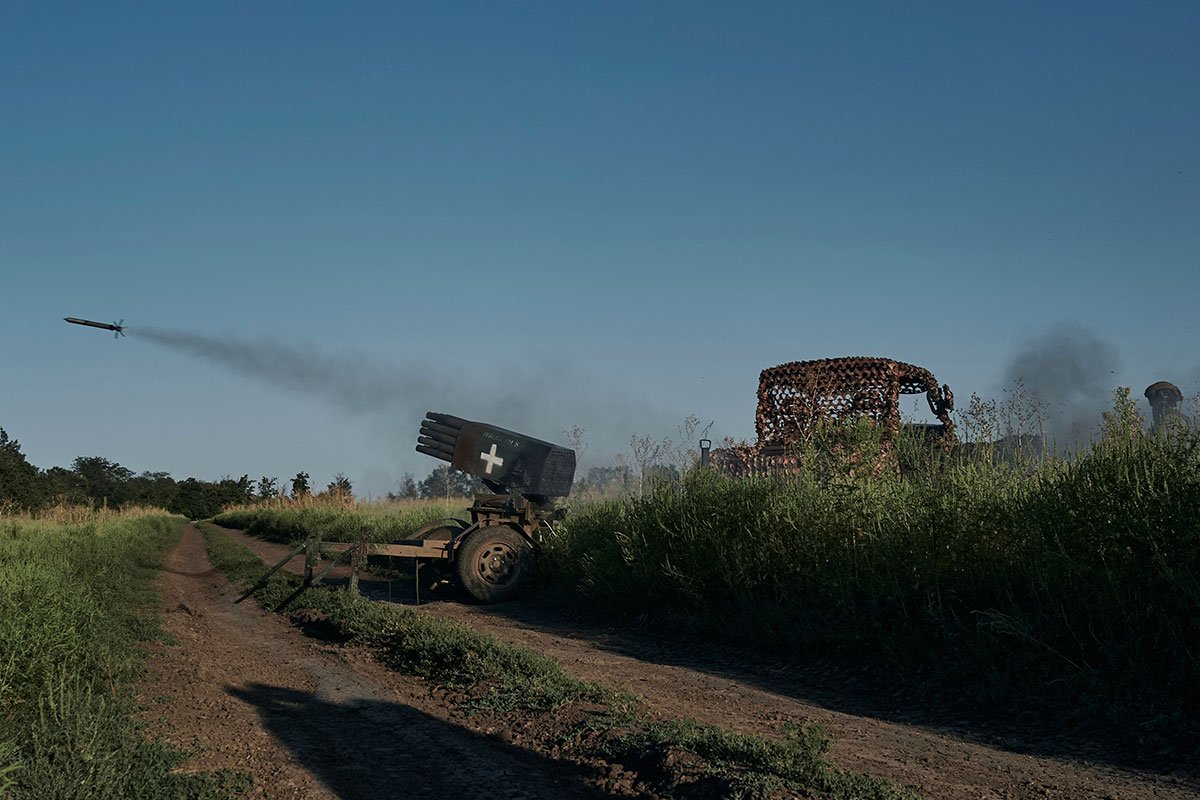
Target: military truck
(795, 398)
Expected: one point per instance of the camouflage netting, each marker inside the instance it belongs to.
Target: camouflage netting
(795, 397)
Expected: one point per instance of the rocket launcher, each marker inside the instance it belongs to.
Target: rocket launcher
(506, 461)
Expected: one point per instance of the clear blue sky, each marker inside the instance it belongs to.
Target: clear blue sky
(646, 202)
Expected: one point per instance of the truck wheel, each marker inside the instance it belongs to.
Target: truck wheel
(494, 564)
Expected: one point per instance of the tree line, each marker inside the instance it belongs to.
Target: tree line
(98, 481)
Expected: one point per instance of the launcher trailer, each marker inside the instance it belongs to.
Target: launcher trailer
(491, 555)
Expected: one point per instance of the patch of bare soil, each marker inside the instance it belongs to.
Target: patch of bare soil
(947, 762)
(242, 688)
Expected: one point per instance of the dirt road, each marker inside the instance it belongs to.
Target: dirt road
(244, 689)
(261, 679)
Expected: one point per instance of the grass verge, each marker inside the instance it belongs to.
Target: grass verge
(337, 522)
(586, 721)
(74, 612)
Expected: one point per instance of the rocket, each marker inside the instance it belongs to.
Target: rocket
(118, 328)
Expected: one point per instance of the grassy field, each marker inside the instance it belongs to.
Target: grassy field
(290, 520)
(75, 594)
(489, 676)
(1075, 577)
(1082, 575)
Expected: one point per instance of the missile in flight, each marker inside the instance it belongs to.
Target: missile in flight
(118, 328)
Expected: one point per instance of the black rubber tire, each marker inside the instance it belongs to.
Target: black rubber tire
(494, 564)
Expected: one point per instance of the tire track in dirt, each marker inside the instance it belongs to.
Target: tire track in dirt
(243, 689)
(937, 764)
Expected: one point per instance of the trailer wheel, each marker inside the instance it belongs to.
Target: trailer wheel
(494, 564)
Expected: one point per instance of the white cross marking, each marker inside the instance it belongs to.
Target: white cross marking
(492, 460)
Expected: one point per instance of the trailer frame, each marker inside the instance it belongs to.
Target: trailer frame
(440, 541)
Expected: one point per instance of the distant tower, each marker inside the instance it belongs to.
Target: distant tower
(1164, 401)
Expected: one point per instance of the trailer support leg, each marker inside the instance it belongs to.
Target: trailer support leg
(263, 580)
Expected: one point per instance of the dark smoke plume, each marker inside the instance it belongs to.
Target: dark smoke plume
(1073, 373)
(348, 380)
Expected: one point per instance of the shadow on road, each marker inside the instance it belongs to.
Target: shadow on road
(1023, 724)
(369, 749)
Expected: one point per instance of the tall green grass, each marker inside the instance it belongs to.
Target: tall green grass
(74, 608)
(291, 521)
(1084, 573)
